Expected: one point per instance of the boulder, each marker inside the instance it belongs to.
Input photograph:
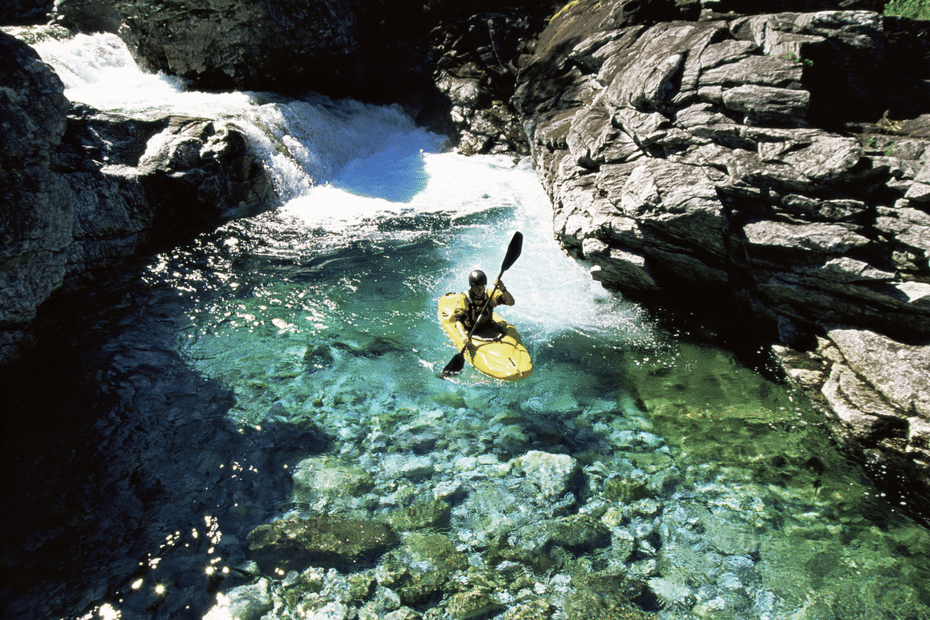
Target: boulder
(24, 12)
(295, 544)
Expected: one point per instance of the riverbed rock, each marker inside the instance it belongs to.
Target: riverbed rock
(295, 544)
(760, 168)
(86, 190)
(321, 483)
(553, 474)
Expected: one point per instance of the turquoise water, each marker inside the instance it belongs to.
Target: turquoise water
(746, 510)
(306, 340)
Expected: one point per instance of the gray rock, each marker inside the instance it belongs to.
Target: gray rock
(36, 222)
(249, 602)
(553, 474)
(279, 45)
(707, 156)
(322, 484)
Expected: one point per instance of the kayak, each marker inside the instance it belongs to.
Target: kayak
(497, 352)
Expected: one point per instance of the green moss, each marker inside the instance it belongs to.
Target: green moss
(915, 9)
(432, 514)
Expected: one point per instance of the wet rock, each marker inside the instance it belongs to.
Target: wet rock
(294, 544)
(321, 483)
(553, 474)
(247, 602)
(21, 12)
(433, 514)
(587, 603)
(404, 613)
(473, 604)
(475, 71)
(93, 189)
(224, 44)
(705, 165)
(35, 229)
(579, 534)
(868, 385)
(437, 550)
(532, 610)
(86, 15)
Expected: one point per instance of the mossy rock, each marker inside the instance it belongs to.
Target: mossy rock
(437, 550)
(625, 490)
(501, 551)
(473, 603)
(432, 514)
(579, 533)
(324, 479)
(587, 605)
(294, 544)
(538, 609)
(421, 588)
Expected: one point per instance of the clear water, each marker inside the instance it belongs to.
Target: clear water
(319, 319)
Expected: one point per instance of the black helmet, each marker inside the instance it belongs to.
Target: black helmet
(477, 277)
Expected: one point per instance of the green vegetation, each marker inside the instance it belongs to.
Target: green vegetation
(793, 57)
(915, 9)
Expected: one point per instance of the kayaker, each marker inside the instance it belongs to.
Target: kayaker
(470, 303)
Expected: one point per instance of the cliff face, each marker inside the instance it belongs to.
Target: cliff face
(82, 194)
(753, 166)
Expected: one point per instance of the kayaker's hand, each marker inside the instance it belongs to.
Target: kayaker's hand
(499, 284)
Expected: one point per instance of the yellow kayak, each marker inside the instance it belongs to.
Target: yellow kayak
(498, 353)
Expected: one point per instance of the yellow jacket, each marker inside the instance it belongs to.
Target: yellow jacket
(467, 310)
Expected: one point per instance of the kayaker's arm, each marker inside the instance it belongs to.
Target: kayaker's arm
(459, 314)
(503, 296)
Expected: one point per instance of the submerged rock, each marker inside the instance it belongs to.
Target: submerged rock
(294, 544)
(473, 604)
(553, 474)
(321, 483)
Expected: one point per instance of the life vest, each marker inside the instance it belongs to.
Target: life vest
(467, 310)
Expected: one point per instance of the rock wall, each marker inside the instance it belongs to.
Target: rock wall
(85, 190)
(24, 12)
(759, 167)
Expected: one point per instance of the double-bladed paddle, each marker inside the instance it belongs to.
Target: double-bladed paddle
(456, 364)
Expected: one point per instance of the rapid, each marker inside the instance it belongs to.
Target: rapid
(190, 399)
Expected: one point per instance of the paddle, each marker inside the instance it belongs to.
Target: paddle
(456, 364)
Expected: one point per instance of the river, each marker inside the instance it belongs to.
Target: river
(287, 366)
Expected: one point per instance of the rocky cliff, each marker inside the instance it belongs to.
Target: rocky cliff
(85, 190)
(766, 168)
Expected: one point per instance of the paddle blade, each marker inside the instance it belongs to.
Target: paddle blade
(455, 365)
(513, 251)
